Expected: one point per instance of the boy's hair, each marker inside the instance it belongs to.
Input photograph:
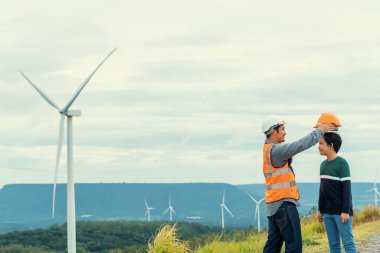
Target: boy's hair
(274, 129)
(334, 140)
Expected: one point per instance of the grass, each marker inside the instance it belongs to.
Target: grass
(253, 243)
(366, 224)
(167, 241)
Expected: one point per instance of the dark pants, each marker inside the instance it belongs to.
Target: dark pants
(284, 225)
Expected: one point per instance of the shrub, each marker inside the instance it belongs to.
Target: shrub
(369, 213)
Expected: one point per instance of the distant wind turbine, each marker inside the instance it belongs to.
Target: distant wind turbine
(170, 210)
(257, 210)
(224, 207)
(66, 112)
(375, 190)
(147, 213)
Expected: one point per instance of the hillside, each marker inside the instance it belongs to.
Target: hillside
(27, 206)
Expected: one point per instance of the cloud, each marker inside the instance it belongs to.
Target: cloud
(182, 98)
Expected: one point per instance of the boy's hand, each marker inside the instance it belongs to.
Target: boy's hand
(320, 217)
(345, 217)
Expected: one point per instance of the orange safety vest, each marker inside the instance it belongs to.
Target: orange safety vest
(280, 182)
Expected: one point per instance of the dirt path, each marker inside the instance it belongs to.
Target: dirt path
(372, 245)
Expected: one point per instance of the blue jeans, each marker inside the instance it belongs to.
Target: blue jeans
(336, 230)
(284, 225)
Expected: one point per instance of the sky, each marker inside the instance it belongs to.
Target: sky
(183, 96)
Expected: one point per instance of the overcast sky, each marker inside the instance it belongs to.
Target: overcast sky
(182, 98)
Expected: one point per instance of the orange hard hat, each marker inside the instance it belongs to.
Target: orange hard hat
(329, 118)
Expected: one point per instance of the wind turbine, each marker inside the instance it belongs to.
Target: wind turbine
(222, 207)
(66, 112)
(147, 213)
(257, 211)
(170, 210)
(375, 190)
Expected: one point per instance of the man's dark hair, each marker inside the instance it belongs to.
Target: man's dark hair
(274, 129)
(334, 140)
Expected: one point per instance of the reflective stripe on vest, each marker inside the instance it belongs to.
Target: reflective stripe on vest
(281, 185)
(278, 172)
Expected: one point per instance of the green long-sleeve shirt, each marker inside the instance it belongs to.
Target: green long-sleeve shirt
(335, 188)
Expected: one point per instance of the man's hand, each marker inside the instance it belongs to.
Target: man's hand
(320, 217)
(325, 127)
(345, 217)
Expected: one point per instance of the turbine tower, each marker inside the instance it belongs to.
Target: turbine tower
(66, 112)
(222, 207)
(257, 210)
(170, 210)
(375, 190)
(147, 213)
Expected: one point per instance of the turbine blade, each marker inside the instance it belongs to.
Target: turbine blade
(44, 96)
(225, 207)
(173, 211)
(253, 199)
(85, 82)
(224, 193)
(146, 204)
(167, 210)
(59, 148)
(261, 200)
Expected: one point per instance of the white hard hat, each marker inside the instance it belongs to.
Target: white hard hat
(271, 122)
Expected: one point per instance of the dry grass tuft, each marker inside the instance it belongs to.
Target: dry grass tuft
(167, 241)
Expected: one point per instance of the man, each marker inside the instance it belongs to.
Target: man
(281, 194)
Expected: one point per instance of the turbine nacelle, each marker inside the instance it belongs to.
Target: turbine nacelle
(71, 113)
